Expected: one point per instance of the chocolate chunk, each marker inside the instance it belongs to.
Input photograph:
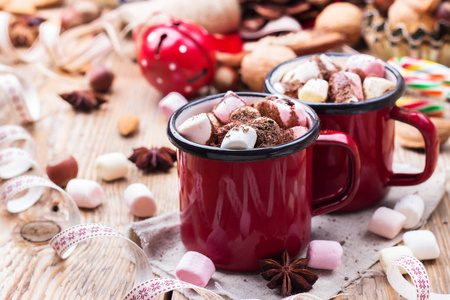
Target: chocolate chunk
(244, 114)
(268, 131)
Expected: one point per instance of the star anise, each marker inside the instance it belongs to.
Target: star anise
(84, 100)
(293, 277)
(24, 30)
(153, 159)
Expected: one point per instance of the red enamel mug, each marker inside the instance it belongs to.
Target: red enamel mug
(238, 206)
(371, 124)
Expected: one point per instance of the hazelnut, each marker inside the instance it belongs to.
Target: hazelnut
(61, 170)
(100, 78)
(226, 79)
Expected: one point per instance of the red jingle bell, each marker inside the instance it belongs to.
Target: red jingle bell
(177, 56)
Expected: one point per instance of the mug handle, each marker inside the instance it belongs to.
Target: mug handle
(346, 194)
(429, 133)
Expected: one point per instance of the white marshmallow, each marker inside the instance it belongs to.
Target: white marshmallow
(140, 200)
(314, 90)
(306, 71)
(389, 255)
(327, 62)
(86, 193)
(376, 87)
(240, 137)
(412, 206)
(422, 243)
(197, 129)
(279, 87)
(170, 103)
(111, 166)
(386, 222)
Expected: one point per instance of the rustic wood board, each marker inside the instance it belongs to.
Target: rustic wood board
(102, 269)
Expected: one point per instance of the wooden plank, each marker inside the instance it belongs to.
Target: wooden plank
(103, 269)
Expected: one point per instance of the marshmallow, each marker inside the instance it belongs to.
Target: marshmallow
(239, 137)
(324, 255)
(305, 71)
(195, 268)
(293, 133)
(279, 87)
(327, 62)
(170, 103)
(346, 87)
(386, 222)
(315, 90)
(86, 193)
(376, 87)
(284, 111)
(422, 243)
(225, 107)
(198, 129)
(140, 200)
(391, 254)
(112, 166)
(369, 65)
(412, 206)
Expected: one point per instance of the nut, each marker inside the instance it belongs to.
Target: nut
(100, 78)
(226, 79)
(61, 170)
(127, 124)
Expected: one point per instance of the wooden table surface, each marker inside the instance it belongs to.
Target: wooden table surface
(102, 269)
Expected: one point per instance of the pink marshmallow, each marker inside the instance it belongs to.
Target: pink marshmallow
(325, 255)
(346, 80)
(86, 193)
(286, 112)
(369, 65)
(195, 268)
(170, 103)
(140, 200)
(298, 131)
(386, 222)
(198, 129)
(226, 106)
